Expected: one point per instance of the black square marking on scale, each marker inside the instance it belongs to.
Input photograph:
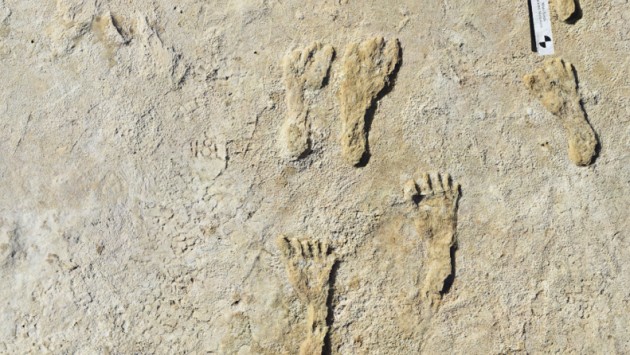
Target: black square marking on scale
(544, 43)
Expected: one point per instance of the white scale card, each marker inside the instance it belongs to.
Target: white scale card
(542, 27)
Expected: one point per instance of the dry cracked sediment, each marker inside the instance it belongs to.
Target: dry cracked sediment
(152, 152)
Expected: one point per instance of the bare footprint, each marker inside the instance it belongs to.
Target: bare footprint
(304, 71)
(435, 199)
(555, 85)
(565, 9)
(308, 265)
(367, 68)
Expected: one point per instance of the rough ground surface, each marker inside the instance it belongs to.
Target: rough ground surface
(144, 186)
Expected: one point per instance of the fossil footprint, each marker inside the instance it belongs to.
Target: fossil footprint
(555, 85)
(309, 263)
(565, 9)
(305, 72)
(435, 200)
(367, 69)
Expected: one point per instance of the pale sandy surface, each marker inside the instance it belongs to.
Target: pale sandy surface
(143, 186)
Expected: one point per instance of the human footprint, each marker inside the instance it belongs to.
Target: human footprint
(555, 85)
(435, 198)
(309, 263)
(304, 71)
(367, 69)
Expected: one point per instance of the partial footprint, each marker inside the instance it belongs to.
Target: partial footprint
(308, 265)
(367, 69)
(436, 204)
(109, 32)
(209, 156)
(154, 57)
(555, 85)
(305, 71)
(565, 9)
(69, 24)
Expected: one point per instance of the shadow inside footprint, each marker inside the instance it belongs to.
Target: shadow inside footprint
(598, 146)
(448, 282)
(577, 15)
(330, 317)
(371, 111)
(326, 79)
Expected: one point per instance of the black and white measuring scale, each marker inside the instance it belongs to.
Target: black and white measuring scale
(541, 26)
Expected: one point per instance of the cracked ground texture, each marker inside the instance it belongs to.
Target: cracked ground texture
(143, 187)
